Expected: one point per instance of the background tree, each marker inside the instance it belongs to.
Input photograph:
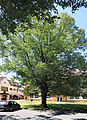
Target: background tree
(13, 12)
(40, 54)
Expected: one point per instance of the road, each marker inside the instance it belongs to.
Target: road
(25, 114)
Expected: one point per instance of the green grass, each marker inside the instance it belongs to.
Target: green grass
(55, 105)
(29, 104)
(67, 106)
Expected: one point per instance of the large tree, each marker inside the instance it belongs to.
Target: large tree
(13, 12)
(41, 54)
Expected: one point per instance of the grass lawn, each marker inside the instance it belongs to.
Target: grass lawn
(55, 105)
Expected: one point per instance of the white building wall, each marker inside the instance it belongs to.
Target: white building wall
(12, 90)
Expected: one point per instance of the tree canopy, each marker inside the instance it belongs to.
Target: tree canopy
(13, 12)
(41, 54)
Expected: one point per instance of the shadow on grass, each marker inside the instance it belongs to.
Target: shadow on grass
(61, 108)
(68, 107)
(31, 107)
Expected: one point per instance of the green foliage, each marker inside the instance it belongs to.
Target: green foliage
(41, 54)
(32, 90)
(14, 12)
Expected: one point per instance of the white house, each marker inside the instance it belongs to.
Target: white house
(10, 90)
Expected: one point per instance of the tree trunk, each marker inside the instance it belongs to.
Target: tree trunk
(44, 90)
(25, 92)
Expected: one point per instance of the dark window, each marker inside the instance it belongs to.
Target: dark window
(76, 97)
(10, 88)
(4, 88)
(84, 97)
(71, 97)
(31, 95)
(14, 89)
(48, 97)
(10, 96)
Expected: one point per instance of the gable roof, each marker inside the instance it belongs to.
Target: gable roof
(13, 83)
(1, 78)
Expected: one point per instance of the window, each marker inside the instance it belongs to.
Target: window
(31, 95)
(76, 97)
(10, 88)
(19, 90)
(10, 96)
(48, 97)
(36, 95)
(84, 97)
(4, 88)
(14, 89)
(71, 97)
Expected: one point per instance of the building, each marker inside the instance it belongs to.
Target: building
(58, 98)
(10, 90)
(63, 98)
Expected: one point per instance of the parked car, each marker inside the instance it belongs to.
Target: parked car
(9, 105)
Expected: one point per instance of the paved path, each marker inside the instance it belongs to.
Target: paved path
(25, 114)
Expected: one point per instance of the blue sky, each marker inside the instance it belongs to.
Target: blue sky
(80, 17)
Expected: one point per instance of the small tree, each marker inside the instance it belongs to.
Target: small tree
(40, 54)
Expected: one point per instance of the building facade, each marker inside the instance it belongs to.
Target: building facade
(63, 98)
(10, 90)
(60, 98)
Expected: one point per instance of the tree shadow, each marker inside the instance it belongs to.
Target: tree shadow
(11, 110)
(2, 116)
(80, 119)
(16, 117)
(44, 117)
(62, 107)
(61, 112)
(68, 107)
(50, 116)
(12, 117)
